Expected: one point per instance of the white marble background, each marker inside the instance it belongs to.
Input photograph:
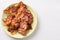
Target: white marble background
(48, 12)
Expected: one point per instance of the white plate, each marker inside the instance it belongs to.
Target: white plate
(34, 24)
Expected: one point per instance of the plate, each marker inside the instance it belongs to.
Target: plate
(17, 35)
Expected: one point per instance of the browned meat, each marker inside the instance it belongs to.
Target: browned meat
(25, 18)
(21, 31)
(23, 28)
(23, 25)
(22, 5)
(30, 18)
(16, 26)
(29, 27)
(11, 10)
(19, 19)
(8, 20)
(12, 30)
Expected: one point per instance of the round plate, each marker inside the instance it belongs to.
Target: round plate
(17, 35)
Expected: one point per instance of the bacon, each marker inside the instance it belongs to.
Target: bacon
(22, 5)
(23, 28)
(20, 18)
(22, 32)
(11, 10)
(25, 18)
(30, 18)
(12, 30)
(8, 20)
(13, 21)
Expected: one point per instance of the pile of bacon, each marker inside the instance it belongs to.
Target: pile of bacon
(19, 18)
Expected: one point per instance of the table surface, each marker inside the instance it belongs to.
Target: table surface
(48, 13)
